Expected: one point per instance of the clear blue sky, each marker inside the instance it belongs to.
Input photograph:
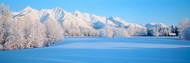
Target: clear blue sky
(169, 12)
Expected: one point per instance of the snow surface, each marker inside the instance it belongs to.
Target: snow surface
(105, 50)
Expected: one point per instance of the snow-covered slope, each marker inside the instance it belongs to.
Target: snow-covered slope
(74, 19)
(28, 11)
(152, 25)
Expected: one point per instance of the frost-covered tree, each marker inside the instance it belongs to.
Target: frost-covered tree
(120, 32)
(136, 31)
(94, 32)
(112, 31)
(15, 39)
(5, 18)
(35, 33)
(184, 30)
(74, 32)
(156, 33)
(107, 31)
(89, 32)
(54, 30)
(153, 31)
(25, 32)
(163, 31)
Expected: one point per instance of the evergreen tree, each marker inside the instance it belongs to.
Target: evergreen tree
(176, 30)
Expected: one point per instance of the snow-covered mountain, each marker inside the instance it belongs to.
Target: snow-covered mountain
(152, 25)
(76, 19)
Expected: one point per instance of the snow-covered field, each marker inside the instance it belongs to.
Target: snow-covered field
(105, 50)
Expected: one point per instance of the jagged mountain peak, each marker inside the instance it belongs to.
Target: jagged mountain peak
(59, 10)
(28, 8)
(76, 13)
(56, 8)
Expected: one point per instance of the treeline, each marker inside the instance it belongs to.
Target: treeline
(163, 31)
(122, 31)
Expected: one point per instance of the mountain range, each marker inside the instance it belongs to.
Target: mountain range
(77, 19)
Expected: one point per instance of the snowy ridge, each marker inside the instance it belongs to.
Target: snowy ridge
(152, 25)
(77, 19)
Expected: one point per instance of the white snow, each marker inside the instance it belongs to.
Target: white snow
(115, 50)
(172, 34)
(116, 45)
(103, 43)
